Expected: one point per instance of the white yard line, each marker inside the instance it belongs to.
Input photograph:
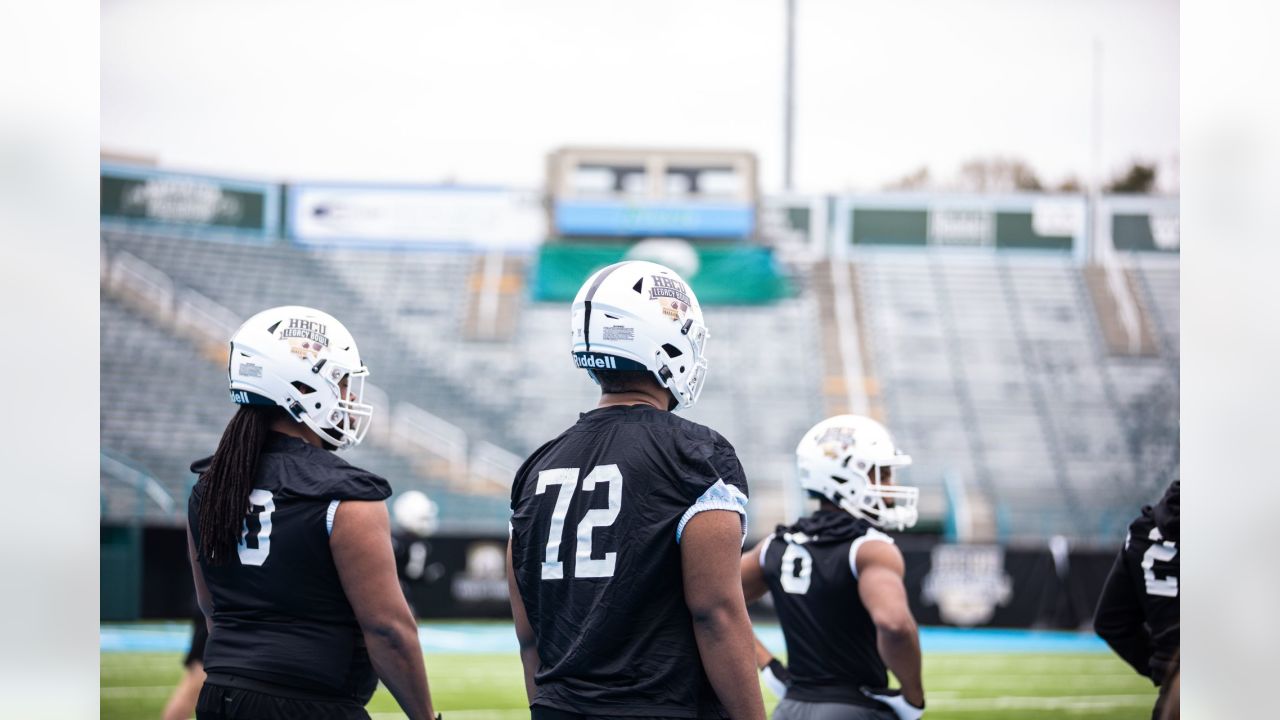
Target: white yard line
(1075, 703)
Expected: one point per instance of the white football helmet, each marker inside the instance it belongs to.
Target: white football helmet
(416, 512)
(638, 315)
(841, 458)
(297, 357)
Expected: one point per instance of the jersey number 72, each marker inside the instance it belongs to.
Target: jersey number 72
(566, 479)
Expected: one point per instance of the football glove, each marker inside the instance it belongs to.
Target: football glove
(776, 677)
(898, 704)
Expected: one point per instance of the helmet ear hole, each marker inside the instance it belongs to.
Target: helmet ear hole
(672, 351)
(303, 388)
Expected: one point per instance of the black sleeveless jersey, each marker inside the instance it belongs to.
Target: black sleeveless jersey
(831, 640)
(1138, 613)
(597, 517)
(279, 612)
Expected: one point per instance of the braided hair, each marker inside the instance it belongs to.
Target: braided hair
(229, 480)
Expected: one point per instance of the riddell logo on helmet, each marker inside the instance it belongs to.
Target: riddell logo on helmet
(595, 362)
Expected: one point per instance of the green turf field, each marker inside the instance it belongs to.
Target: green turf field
(475, 687)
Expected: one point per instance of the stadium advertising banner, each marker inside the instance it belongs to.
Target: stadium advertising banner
(922, 220)
(408, 216)
(1143, 223)
(132, 196)
(723, 275)
(465, 577)
(637, 218)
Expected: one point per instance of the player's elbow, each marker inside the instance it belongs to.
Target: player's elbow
(714, 613)
(896, 625)
(526, 641)
(391, 629)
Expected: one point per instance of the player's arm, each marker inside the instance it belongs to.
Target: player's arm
(203, 599)
(880, 569)
(753, 586)
(524, 631)
(771, 669)
(361, 546)
(1119, 619)
(710, 547)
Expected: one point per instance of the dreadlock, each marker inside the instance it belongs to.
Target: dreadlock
(229, 480)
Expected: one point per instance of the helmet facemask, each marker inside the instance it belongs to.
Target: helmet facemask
(348, 419)
(881, 503)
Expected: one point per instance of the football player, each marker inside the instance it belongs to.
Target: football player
(416, 517)
(1138, 611)
(836, 581)
(291, 546)
(626, 529)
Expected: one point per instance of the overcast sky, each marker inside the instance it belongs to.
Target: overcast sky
(481, 90)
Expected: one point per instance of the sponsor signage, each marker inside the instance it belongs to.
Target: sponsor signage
(960, 226)
(966, 583)
(414, 215)
(144, 196)
(620, 218)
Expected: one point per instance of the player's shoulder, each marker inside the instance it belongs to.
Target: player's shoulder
(1140, 531)
(693, 434)
(649, 424)
(307, 471)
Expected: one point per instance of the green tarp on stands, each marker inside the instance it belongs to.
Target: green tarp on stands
(727, 274)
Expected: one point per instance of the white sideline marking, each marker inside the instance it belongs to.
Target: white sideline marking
(462, 714)
(131, 691)
(1073, 703)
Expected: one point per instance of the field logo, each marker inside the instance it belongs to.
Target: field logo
(967, 582)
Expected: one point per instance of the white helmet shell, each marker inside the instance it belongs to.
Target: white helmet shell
(841, 457)
(416, 513)
(638, 315)
(297, 357)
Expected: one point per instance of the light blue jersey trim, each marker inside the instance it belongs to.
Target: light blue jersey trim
(329, 515)
(717, 497)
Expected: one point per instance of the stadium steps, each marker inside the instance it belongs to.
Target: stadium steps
(495, 290)
(1107, 308)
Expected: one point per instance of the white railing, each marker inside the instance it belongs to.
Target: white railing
(143, 285)
(494, 465)
(414, 430)
(137, 479)
(202, 319)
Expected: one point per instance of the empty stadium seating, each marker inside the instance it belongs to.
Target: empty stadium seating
(993, 368)
(990, 367)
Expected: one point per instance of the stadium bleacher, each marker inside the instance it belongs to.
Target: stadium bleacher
(991, 368)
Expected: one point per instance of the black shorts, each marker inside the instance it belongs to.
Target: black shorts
(229, 702)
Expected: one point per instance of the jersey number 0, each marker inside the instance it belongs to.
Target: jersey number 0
(255, 534)
(566, 479)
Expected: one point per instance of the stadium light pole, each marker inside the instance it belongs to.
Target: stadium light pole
(789, 112)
